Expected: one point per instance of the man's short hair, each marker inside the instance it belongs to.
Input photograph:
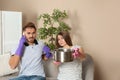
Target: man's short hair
(29, 25)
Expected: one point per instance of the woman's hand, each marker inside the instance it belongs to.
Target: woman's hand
(78, 53)
(56, 63)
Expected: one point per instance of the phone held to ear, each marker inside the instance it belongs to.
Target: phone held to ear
(25, 43)
(23, 34)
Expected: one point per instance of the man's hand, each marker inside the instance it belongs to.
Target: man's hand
(20, 48)
(46, 51)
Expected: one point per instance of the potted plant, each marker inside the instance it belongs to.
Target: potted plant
(51, 25)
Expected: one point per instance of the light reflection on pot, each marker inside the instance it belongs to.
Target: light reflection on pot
(63, 55)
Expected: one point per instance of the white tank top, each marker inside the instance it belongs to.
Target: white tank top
(70, 70)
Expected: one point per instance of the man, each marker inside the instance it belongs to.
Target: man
(28, 55)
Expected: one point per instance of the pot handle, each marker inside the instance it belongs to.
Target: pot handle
(54, 52)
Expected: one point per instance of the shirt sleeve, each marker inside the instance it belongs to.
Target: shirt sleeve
(42, 44)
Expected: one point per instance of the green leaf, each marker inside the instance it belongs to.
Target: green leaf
(52, 30)
(52, 46)
(52, 24)
(42, 33)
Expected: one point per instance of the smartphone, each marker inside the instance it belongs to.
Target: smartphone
(26, 44)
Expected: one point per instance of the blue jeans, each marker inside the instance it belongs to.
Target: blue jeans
(34, 77)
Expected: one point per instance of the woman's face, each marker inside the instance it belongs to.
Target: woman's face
(61, 41)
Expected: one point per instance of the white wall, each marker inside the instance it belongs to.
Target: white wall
(95, 26)
(10, 33)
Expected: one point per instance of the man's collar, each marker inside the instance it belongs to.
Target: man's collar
(35, 41)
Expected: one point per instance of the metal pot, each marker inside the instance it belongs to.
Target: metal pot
(63, 55)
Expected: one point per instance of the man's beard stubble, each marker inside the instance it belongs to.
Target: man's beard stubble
(31, 40)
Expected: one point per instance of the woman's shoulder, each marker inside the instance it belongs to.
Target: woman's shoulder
(75, 46)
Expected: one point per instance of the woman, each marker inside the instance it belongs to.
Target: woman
(69, 70)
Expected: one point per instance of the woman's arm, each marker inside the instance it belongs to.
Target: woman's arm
(82, 54)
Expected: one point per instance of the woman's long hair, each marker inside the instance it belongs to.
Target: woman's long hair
(66, 37)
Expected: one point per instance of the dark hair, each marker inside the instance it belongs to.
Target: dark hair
(66, 37)
(29, 25)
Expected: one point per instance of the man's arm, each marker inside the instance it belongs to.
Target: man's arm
(44, 57)
(15, 59)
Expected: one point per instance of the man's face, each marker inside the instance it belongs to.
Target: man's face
(30, 34)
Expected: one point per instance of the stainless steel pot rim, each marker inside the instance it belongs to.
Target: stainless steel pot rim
(63, 55)
(64, 49)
